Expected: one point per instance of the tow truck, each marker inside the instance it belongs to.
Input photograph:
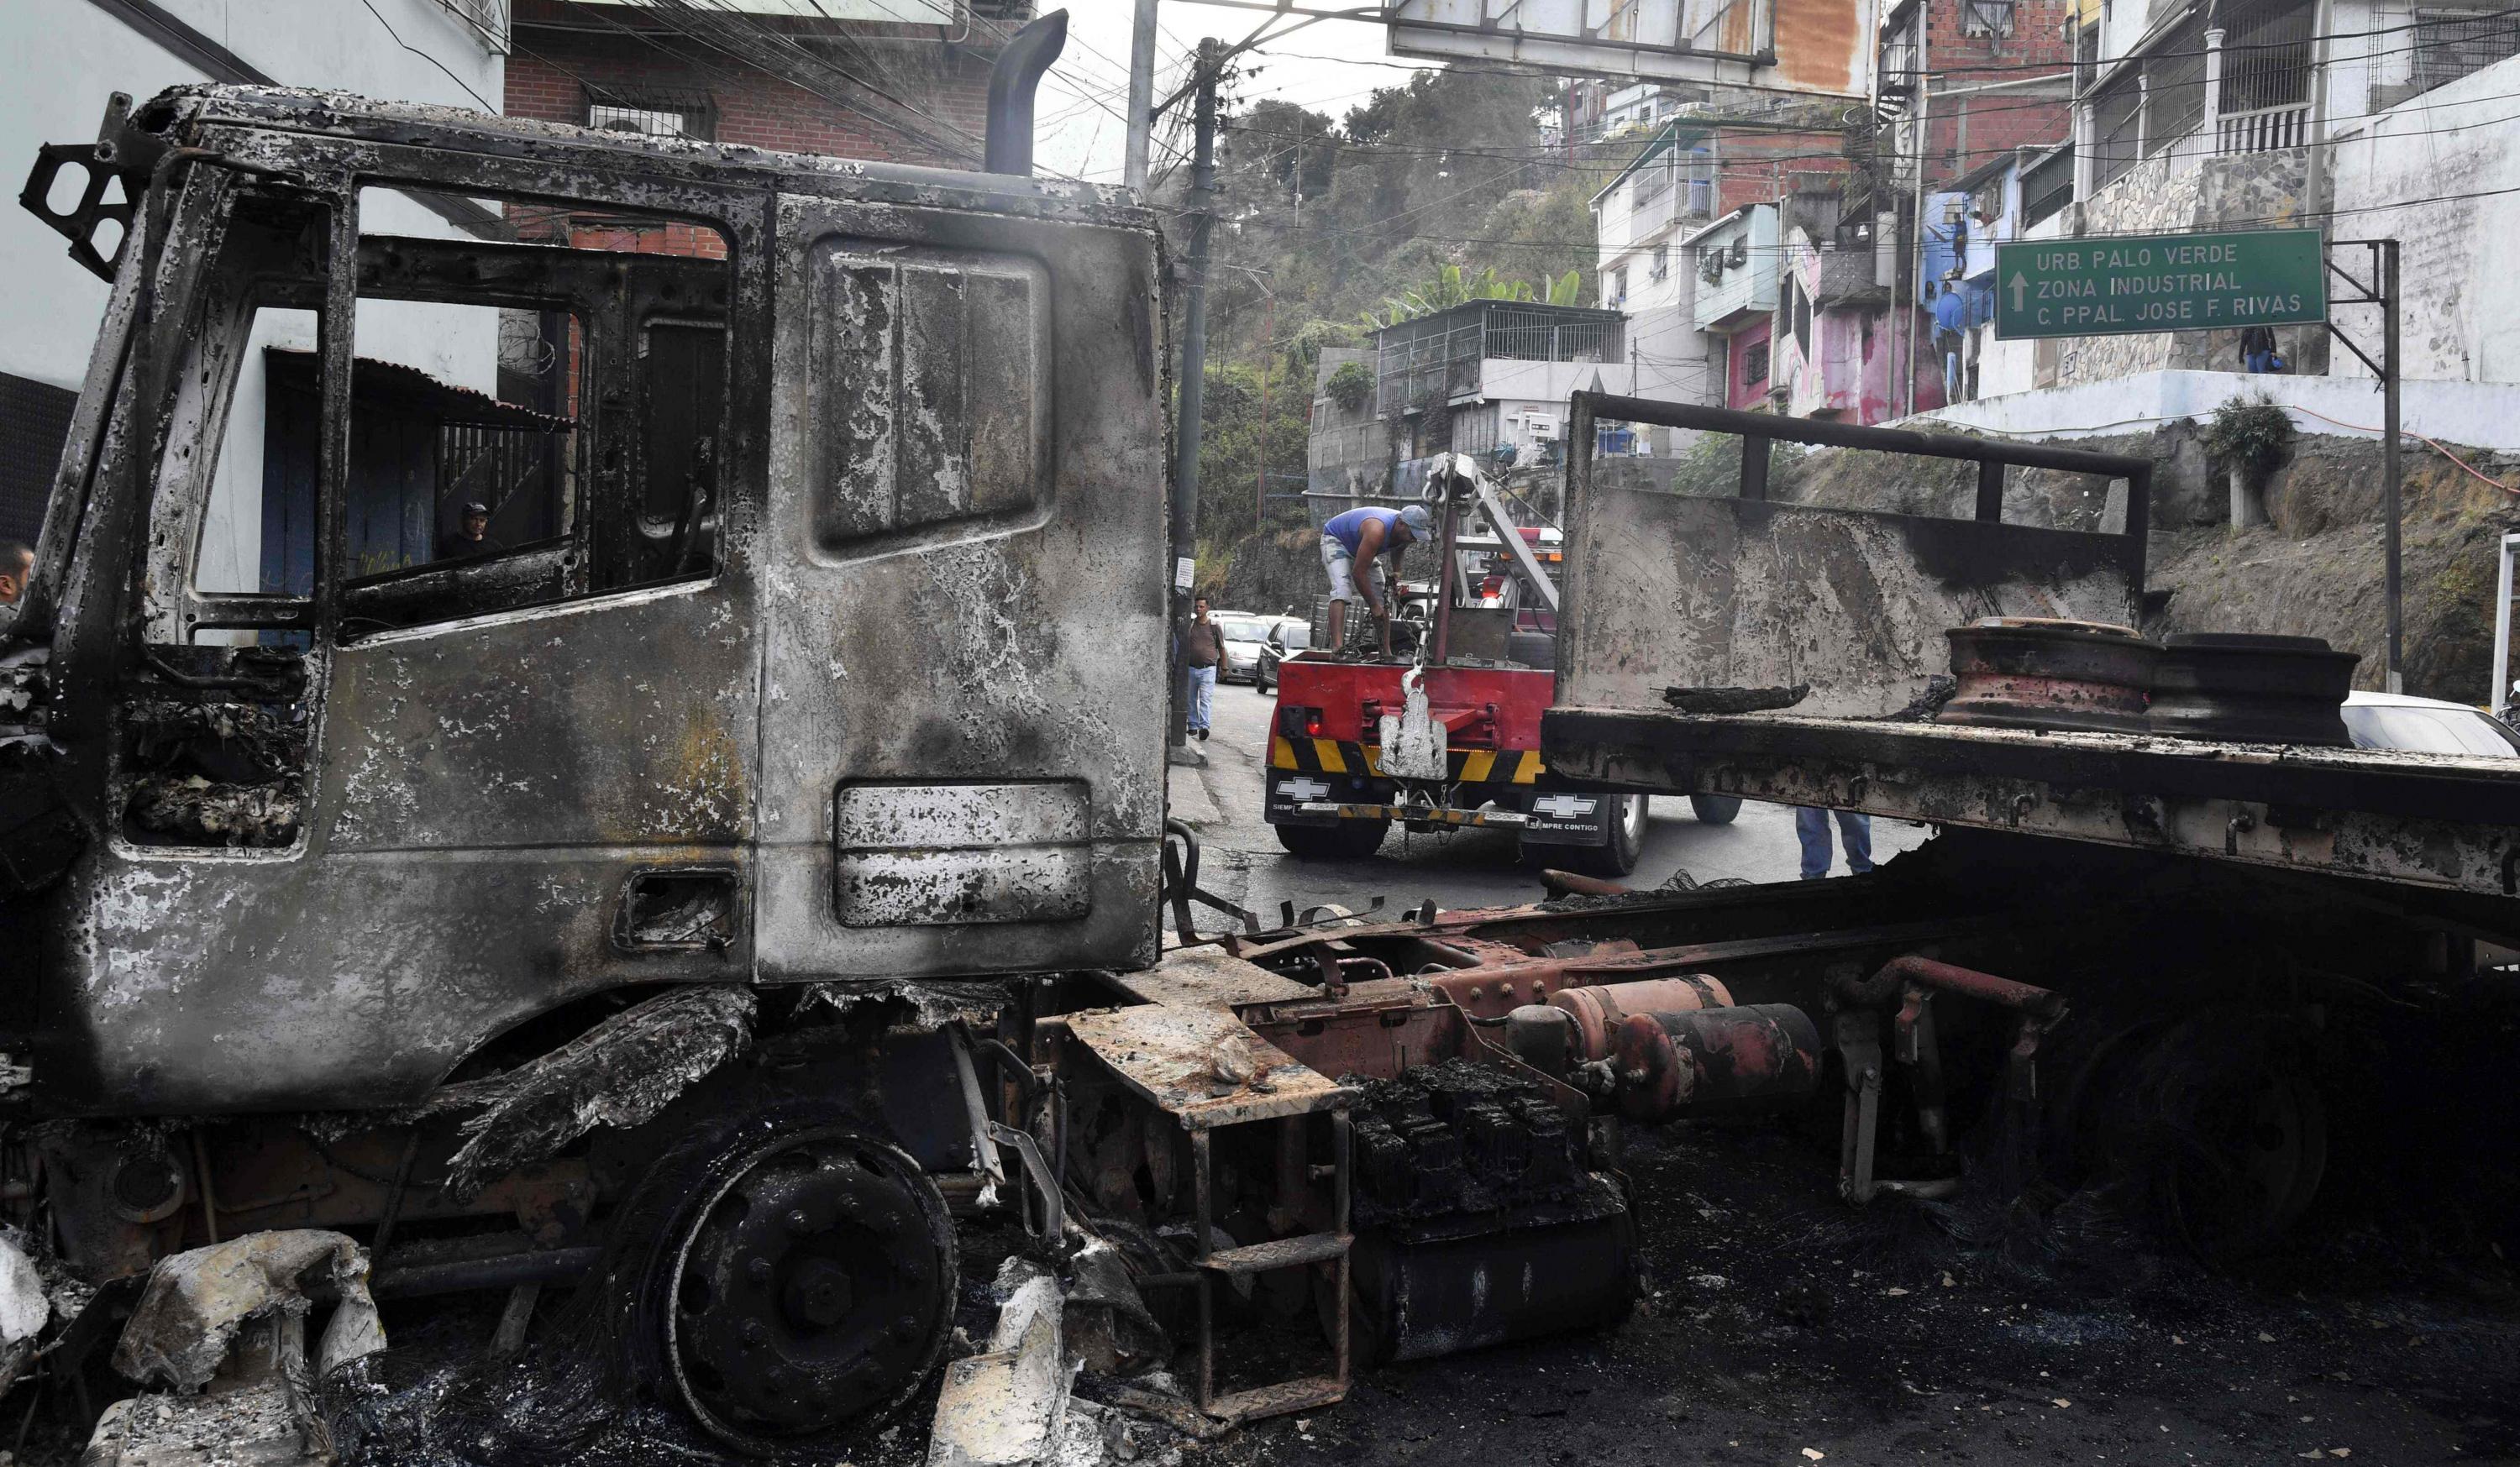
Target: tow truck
(1447, 738)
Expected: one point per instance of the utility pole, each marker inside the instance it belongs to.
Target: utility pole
(1915, 270)
(1268, 352)
(1194, 377)
(1141, 95)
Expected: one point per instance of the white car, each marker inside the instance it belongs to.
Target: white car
(2426, 726)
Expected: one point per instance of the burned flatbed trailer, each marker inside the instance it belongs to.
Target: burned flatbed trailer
(2170, 980)
(1853, 606)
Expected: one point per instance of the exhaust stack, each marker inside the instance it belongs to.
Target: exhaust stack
(1012, 83)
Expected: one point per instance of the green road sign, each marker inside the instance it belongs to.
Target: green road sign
(2114, 284)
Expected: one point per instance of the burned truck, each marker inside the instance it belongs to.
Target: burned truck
(555, 665)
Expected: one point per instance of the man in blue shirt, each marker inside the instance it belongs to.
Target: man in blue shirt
(1950, 321)
(1356, 539)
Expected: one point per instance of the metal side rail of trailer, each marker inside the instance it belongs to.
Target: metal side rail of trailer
(2430, 820)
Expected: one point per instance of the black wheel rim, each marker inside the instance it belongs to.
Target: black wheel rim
(811, 1290)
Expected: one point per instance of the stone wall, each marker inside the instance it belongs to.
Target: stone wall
(2176, 192)
(2316, 569)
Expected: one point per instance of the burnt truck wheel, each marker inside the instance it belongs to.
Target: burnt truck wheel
(1348, 840)
(1615, 856)
(1714, 810)
(811, 1290)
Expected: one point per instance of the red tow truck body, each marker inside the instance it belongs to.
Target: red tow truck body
(1486, 668)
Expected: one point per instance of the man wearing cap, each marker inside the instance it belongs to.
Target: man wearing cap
(473, 539)
(1357, 539)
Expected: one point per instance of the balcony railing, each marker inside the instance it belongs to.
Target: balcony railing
(1691, 198)
(2263, 130)
(1651, 217)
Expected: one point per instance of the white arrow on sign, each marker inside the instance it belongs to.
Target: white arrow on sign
(2018, 284)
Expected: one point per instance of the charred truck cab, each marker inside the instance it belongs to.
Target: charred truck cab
(538, 632)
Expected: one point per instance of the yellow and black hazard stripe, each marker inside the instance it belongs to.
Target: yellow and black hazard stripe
(1334, 756)
(1424, 814)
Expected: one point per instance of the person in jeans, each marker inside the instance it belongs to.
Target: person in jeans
(1812, 827)
(1951, 321)
(2258, 349)
(1202, 648)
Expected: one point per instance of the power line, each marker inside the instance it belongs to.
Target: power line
(486, 103)
(2271, 219)
(1762, 161)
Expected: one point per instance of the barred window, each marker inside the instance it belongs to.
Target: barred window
(2047, 186)
(2173, 88)
(2453, 43)
(658, 112)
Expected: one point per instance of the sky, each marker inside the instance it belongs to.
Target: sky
(1330, 65)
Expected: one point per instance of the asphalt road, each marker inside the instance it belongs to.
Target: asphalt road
(1244, 863)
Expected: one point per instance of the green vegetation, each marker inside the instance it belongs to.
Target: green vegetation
(1351, 385)
(1438, 190)
(1451, 286)
(2253, 435)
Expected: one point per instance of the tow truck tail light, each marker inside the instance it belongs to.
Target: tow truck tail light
(1300, 723)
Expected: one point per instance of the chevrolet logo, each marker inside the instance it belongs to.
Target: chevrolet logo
(1300, 791)
(1564, 807)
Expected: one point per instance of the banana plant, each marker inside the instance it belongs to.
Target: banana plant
(1451, 286)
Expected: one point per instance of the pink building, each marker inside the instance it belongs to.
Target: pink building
(1838, 342)
(1748, 356)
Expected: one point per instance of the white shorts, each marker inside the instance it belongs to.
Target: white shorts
(1340, 563)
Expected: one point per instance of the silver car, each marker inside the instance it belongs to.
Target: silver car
(1243, 633)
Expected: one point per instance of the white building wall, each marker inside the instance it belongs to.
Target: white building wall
(1670, 355)
(68, 56)
(1751, 286)
(1504, 379)
(2458, 256)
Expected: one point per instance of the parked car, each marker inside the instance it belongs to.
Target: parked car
(1291, 635)
(1244, 631)
(2426, 726)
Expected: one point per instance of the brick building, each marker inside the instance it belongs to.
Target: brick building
(896, 80)
(1968, 90)
(1998, 72)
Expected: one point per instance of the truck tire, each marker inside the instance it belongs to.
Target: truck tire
(1348, 840)
(1615, 856)
(1715, 810)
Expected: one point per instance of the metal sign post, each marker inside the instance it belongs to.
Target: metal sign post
(2381, 290)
